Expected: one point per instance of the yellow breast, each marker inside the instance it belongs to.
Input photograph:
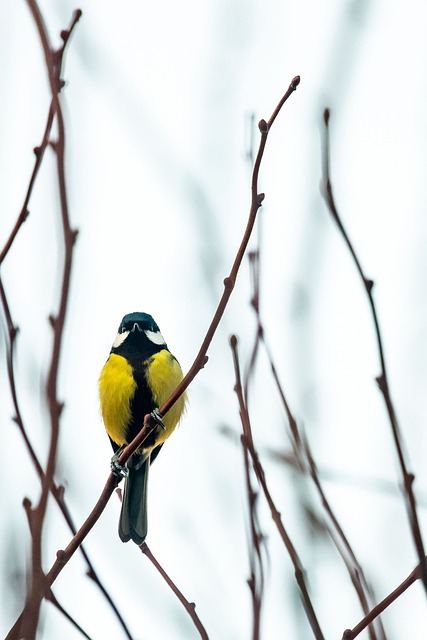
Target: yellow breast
(163, 375)
(116, 389)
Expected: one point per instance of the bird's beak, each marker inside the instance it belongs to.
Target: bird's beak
(135, 327)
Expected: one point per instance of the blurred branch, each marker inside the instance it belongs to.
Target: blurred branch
(51, 598)
(382, 380)
(342, 543)
(304, 461)
(371, 483)
(12, 331)
(56, 490)
(247, 442)
(63, 556)
(256, 540)
(53, 60)
(416, 574)
(190, 607)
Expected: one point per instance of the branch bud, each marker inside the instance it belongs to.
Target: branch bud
(368, 284)
(228, 283)
(326, 116)
(295, 82)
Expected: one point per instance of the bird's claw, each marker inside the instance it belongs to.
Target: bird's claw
(118, 469)
(158, 418)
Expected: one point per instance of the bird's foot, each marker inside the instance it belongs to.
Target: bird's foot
(158, 418)
(118, 469)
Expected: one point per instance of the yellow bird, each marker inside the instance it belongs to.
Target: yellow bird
(138, 377)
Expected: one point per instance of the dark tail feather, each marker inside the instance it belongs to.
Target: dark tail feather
(133, 516)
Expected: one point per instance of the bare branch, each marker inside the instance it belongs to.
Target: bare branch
(416, 574)
(63, 556)
(229, 282)
(382, 380)
(57, 491)
(54, 65)
(52, 598)
(247, 441)
(190, 607)
(304, 460)
(24, 213)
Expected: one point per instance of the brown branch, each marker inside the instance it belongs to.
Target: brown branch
(53, 64)
(229, 282)
(416, 574)
(256, 539)
(24, 213)
(304, 461)
(382, 380)
(52, 598)
(57, 490)
(12, 330)
(190, 607)
(247, 442)
(306, 464)
(337, 534)
(63, 556)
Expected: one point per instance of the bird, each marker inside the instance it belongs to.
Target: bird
(138, 377)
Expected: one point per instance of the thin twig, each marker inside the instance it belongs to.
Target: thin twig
(12, 331)
(305, 463)
(24, 213)
(57, 490)
(229, 282)
(52, 598)
(382, 380)
(247, 441)
(190, 607)
(63, 556)
(362, 588)
(53, 64)
(256, 541)
(416, 574)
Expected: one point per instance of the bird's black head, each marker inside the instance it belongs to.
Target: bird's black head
(143, 322)
(138, 332)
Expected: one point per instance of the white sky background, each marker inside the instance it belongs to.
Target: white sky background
(157, 103)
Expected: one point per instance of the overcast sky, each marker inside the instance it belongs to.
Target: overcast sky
(158, 106)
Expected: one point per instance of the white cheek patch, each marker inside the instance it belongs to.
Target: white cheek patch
(155, 337)
(120, 338)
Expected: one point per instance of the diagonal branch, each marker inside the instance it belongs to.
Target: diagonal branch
(247, 442)
(63, 556)
(382, 380)
(305, 463)
(416, 574)
(24, 213)
(190, 607)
